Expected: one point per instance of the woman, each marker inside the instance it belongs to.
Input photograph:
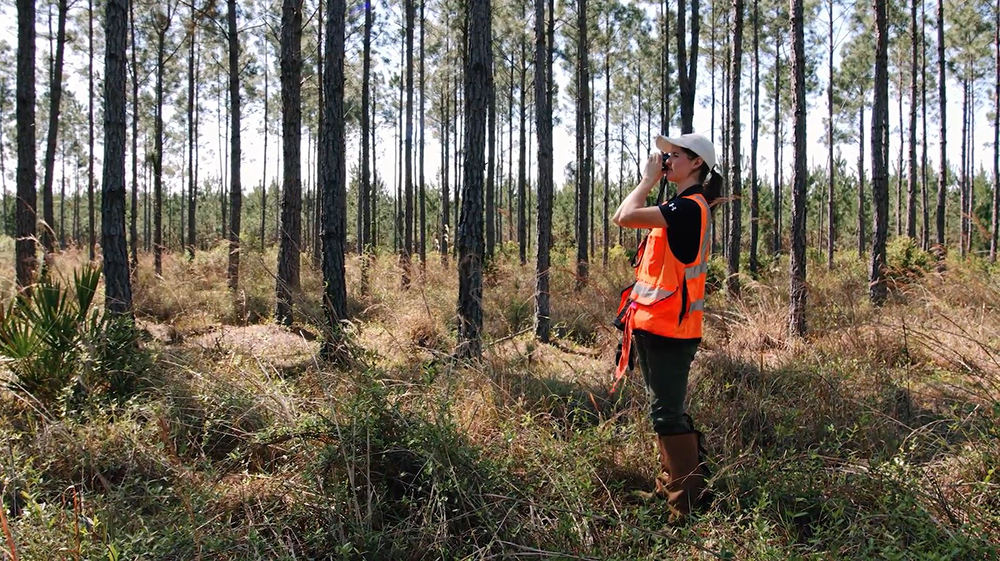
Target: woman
(662, 313)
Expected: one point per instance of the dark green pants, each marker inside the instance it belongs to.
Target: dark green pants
(665, 364)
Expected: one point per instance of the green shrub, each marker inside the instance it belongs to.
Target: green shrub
(54, 337)
(905, 261)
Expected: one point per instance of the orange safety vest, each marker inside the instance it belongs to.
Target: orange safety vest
(668, 297)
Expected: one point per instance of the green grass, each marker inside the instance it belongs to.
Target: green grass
(873, 438)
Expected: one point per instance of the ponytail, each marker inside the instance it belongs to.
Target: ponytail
(711, 181)
(712, 185)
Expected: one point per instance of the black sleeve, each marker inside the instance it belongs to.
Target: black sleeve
(683, 218)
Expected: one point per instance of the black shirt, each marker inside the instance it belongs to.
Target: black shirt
(683, 217)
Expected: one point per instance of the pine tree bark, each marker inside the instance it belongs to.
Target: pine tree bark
(754, 136)
(235, 187)
(91, 239)
(470, 228)
(736, 177)
(776, 230)
(55, 96)
(317, 216)
(861, 180)
(114, 245)
(265, 184)
(797, 265)
(942, 191)
(880, 153)
(491, 118)
(133, 222)
(333, 176)
(911, 188)
(290, 233)
(543, 118)
(162, 26)
(522, 235)
(192, 193)
(420, 175)
(831, 215)
(687, 68)
(445, 234)
(25, 213)
(996, 144)
(607, 128)
(365, 235)
(407, 241)
(583, 143)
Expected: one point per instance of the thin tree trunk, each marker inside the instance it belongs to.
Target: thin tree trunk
(290, 233)
(831, 216)
(797, 264)
(25, 213)
(736, 179)
(880, 152)
(543, 74)
(91, 239)
(161, 33)
(235, 188)
(445, 163)
(522, 235)
(423, 129)
(491, 118)
(317, 168)
(861, 180)
(996, 145)
(365, 187)
(911, 198)
(267, 124)
(114, 245)
(687, 68)
(942, 138)
(407, 247)
(470, 229)
(776, 240)
(607, 139)
(583, 145)
(333, 176)
(133, 226)
(191, 202)
(55, 96)
(754, 136)
(964, 181)
(925, 234)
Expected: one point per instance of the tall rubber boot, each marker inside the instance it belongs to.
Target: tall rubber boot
(685, 489)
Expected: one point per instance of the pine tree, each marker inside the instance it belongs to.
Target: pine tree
(55, 95)
(290, 233)
(114, 245)
(25, 216)
(543, 119)
(736, 177)
(797, 265)
(880, 152)
(235, 188)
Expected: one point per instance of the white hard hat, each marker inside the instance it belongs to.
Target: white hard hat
(696, 143)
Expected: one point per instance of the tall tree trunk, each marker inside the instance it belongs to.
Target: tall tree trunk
(942, 191)
(736, 179)
(317, 215)
(996, 144)
(265, 184)
(861, 179)
(192, 204)
(491, 118)
(470, 228)
(365, 188)
(797, 264)
(62, 200)
(420, 176)
(911, 191)
(687, 68)
(161, 32)
(583, 144)
(880, 153)
(91, 240)
(607, 128)
(964, 172)
(776, 235)
(754, 136)
(133, 219)
(114, 245)
(25, 213)
(290, 233)
(55, 96)
(333, 176)
(445, 163)
(543, 118)
(925, 234)
(407, 241)
(831, 216)
(522, 236)
(235, 188)
(3, 163)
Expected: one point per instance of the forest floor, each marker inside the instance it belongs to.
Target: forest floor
(875, 436)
